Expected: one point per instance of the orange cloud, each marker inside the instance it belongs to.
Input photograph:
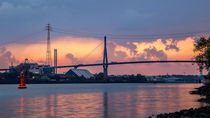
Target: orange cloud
(75, 49)
(184, 52)
(79, 47)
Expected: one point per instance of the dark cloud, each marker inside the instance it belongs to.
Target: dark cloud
(6, 58)
(114, 55)
(172, 45)
(130, 46)
(111, 50)
(155, 53)
(121, 54)
(73, 60)
(148, 54)
(168, 47)
(22, 17)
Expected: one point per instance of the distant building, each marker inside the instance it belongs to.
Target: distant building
(33, 68)
(176, 78)
(173, 79)
(79, 73)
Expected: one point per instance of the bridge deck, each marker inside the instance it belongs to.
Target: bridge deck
(132, 62)
(120, 63)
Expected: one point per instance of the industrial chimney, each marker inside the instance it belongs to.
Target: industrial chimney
(55, 60)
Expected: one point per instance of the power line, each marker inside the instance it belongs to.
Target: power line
(169, 34)
(26, 37)
(131, 35)
(164, 37)
(202, 33)
(78, 34)
(134, 36)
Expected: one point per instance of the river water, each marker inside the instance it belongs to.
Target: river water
(95, 100)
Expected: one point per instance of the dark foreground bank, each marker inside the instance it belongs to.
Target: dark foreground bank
(203, 112)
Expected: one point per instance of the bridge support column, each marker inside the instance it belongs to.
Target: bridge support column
(105, 60)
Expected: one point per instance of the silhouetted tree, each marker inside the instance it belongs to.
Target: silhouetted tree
(202, 48)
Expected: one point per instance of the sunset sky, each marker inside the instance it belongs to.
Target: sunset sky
(136, 30)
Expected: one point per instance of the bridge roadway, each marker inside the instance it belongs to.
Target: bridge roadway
(129, 62)
(119, 63)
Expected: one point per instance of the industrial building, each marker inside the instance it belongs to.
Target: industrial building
(33, 68)
(79, 73)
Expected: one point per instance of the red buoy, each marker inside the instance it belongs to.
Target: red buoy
(22, 84)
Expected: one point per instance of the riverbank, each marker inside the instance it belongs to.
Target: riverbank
(203, 112)
(203, 91)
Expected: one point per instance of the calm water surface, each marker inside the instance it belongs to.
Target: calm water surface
(95, 100)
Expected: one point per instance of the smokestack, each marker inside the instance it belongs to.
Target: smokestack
(55, 60)
(48, 56)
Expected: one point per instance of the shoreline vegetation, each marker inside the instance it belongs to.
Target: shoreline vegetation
(202, 112)
(31, 78)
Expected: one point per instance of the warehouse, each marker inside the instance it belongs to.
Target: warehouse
(79, 73)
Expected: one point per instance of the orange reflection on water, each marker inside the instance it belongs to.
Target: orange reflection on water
(62, 105)
(80, 105)
(100, 100)
(21, 107)
(167, 98)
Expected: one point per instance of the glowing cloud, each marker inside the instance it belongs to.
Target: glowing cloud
(78, 47)
(180, 49)
(73, 50)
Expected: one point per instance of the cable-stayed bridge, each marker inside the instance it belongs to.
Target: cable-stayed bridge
(105, 62)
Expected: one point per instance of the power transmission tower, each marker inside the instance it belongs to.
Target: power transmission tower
(105, 60)
(48, 55)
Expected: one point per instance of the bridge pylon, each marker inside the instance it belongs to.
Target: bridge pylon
(105, 60)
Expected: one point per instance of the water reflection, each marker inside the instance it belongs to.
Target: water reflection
(105, 105)
(116, 100)
(21, 107)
